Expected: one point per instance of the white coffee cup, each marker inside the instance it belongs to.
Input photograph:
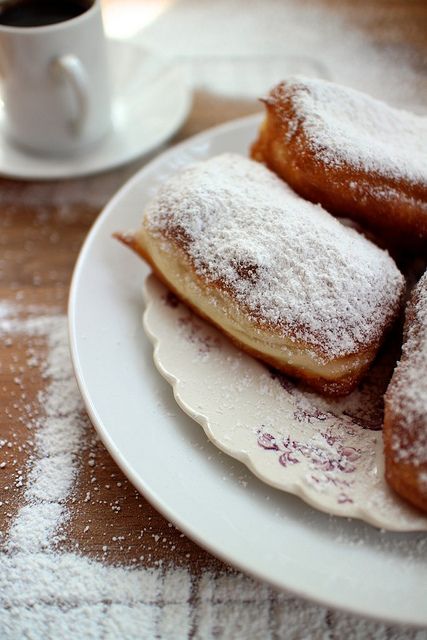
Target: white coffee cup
(55, 83)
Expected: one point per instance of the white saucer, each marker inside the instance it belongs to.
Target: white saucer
(151, 100)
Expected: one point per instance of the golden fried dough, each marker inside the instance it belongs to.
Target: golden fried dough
(405, 420)
(280, 276)
(356, 156)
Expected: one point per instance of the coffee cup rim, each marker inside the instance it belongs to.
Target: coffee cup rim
(56, 26)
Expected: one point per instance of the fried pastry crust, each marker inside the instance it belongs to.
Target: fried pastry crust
(405, 419)
(281, 277)
(356, 156)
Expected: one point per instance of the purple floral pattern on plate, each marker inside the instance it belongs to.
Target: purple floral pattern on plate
(328, 458)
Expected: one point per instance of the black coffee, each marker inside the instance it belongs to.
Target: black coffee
(38, 13)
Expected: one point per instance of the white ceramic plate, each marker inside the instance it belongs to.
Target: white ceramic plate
(151, 100)
(213, 498)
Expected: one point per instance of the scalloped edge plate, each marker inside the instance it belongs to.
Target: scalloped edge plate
(291, 439)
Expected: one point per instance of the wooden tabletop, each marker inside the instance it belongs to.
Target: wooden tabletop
(42, 228)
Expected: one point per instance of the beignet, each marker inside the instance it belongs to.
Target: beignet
(405, 418)
(356, 156)
(280, 276)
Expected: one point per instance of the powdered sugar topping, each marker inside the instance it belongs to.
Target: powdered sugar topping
(289, 263)
(408, 389)
(346, 127)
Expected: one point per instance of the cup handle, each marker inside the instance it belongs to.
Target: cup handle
(68, 68)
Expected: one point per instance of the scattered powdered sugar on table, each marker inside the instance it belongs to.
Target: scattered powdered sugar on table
(57, 433)
(66, 195)
(240, 225)
(345, 127)
(44, 592)
(407, 395)
(271, 39)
